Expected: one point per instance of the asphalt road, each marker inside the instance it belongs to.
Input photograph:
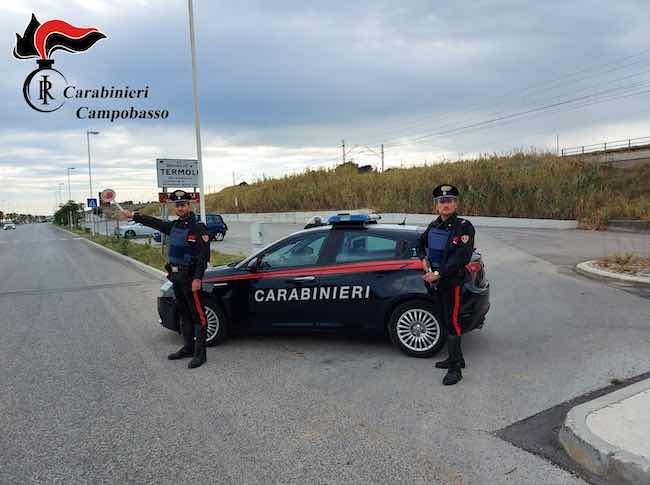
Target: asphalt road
(89, 396)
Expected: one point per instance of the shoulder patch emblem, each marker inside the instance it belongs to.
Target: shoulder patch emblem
(205, 238)
(465, 238)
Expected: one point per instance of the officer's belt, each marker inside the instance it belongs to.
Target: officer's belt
(179, 268)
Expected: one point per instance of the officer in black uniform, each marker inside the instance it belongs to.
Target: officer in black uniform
(189, 253)
(445, 248)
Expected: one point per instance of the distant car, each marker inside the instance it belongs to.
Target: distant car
(215, 224)
(133, 229)
(349, 276)
(9, 225)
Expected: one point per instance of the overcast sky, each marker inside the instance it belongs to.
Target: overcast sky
(282, 83)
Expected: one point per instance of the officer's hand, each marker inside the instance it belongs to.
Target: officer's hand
(196, 284)
(127, 214)
(430, 277)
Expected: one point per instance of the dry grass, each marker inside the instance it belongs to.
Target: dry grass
(627, 263)
(538, 185)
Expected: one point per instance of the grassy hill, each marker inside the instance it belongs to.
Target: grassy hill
(518, 185)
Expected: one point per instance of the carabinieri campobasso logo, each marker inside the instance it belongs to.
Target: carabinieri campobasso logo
(43, 88)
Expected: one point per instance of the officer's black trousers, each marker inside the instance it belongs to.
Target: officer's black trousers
(449, 301)
(190, 308)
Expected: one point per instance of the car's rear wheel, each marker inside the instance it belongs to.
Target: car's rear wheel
(130, 234)
(219, 236)
(415, 329)
(217, 323)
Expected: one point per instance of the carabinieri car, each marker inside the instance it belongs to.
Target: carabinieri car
(349, 276)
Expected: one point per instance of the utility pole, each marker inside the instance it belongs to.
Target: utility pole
(343, 151)
(233, 178)
(382, 158)
(69, 199)
(557, 144)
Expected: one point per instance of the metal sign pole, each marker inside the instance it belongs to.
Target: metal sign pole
(197, 117)
(163, 213)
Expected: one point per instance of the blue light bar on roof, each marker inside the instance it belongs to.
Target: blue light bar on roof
(349, 219)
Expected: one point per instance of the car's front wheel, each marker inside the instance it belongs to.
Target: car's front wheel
(415, 329)
(219, 236)
(217, 322)
(129, 234)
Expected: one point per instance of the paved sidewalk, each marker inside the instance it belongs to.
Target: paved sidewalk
(609, 435)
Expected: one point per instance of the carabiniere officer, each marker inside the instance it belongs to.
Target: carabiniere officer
(445, 248)
(189, 253)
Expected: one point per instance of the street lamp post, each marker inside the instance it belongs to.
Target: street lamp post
(69, 198)
(90, 178)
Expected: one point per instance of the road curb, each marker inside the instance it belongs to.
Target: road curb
(150, 270)
(589, 269)
(614, 464)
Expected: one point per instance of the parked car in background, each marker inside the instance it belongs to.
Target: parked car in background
(8, 225)
(133, 229)
(216, 226)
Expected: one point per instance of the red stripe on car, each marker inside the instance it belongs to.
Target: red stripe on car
(327, 270)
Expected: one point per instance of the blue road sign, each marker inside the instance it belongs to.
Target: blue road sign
(91, 203)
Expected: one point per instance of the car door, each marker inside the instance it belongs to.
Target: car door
(364, 269)
(281, 293)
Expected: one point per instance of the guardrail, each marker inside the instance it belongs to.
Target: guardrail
(608, 145)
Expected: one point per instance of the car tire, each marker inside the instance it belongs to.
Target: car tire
(217, 322)
(130, 234)
(415, 329)
(219, 236)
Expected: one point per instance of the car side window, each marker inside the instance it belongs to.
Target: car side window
(366, 247)
(303, 251)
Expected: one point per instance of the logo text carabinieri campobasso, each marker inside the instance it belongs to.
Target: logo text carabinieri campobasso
(46, 89)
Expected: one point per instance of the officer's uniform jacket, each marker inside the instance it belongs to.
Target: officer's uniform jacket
(453, 242)
(189, 242)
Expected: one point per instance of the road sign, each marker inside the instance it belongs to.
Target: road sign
(164, 196)
(177, 173)
(91, 203)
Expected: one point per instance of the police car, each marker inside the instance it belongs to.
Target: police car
(351, 276)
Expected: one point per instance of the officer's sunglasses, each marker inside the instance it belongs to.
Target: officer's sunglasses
(445, 199)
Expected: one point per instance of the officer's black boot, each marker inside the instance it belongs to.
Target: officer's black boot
(444, 364)
(453, 374)
(186, 350)
(181, 354)
(199, 349)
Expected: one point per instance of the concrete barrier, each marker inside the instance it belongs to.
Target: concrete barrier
(396, 218)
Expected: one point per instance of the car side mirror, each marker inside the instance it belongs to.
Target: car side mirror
(254, 265)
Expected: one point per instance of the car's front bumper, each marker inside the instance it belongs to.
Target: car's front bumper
(168, 313)
(167, 309)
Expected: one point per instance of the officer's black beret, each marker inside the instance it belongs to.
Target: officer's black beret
(180, 196)
(445, 190)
